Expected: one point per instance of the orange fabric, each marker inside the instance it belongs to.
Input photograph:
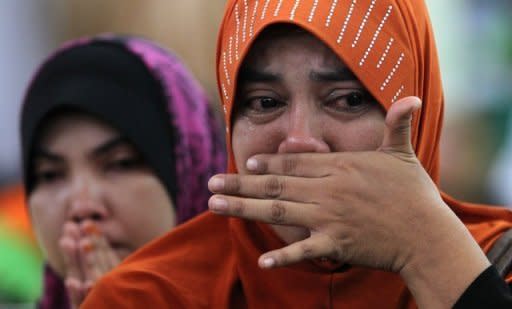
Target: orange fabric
(13, 211)
(212, 261)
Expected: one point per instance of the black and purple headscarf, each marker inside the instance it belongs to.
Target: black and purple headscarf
(147, 94)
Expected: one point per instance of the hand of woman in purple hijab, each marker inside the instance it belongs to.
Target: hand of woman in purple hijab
(88, 256)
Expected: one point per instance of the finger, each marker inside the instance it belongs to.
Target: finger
(74, 291)
(89, 260)
(87, 287)
(111, 256)
(311, 165)
(94, 235)
(71, 229)
(397, 134)
(268, 211)
(316, 246)
(295, 189)
(107, 257)
(68, 244)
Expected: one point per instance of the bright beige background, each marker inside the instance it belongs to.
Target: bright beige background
(188, 27)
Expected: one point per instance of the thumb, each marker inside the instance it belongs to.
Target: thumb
(397, 134)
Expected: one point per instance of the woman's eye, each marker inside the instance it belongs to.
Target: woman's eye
(353, 101)
(262, 104)
(48, 176)
(124, 164)
(268, 103)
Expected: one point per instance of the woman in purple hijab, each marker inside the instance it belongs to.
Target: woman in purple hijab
(118, 143)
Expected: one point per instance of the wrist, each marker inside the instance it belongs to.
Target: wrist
(443, 266)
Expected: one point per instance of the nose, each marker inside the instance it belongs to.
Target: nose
(304, 133)
(85, 201)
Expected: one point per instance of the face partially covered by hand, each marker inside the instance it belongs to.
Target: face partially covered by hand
(365, 208)
(319, 160)
(95, 201)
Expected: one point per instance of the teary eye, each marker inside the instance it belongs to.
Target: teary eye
(354, 98)
(268, 102)
(351, 101)
(262, 104)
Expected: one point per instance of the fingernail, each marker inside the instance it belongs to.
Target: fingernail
(88, 247)
(268, 262)
(252, 164)
(418, 101)
(92, 229)
(218, 204)
(216, 183)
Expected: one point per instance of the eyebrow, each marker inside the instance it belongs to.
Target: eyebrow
(44, 154)
(337, 75)
(109, 145)
(254, 76)
(41, 153)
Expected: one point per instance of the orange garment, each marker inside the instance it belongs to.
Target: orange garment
(212, 261)
(13, 211)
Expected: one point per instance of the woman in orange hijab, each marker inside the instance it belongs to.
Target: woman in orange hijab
(333, 171)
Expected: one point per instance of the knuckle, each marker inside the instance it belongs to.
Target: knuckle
(277, 213)
(238, 208)
(289, 165)
(232, 184)
(335, 249)
(273, 187)
(343, 165)
(307, 251)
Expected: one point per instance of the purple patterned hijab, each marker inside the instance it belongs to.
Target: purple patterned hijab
(191, 152)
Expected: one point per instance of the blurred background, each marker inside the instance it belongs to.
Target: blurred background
(475, 47)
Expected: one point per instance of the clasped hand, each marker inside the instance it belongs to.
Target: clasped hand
(87, 256)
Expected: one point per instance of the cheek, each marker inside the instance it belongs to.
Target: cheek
(249, 139)
(364, 134)
(48, 217)
(141, 208)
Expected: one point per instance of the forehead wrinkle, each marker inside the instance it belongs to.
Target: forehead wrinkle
(262, 62)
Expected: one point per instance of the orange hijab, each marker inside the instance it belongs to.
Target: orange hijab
(390, 47)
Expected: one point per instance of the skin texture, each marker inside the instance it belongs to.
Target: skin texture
(306, 113)
(95, 200)
(335, 184)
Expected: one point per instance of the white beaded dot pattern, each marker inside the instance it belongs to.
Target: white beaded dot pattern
(393, 71)
(237, 31)
(375, 36)
(331, 12)
(230, 48)
(225, 109)
(244, 23)
(294, 9)
(363, 23)
(253, 19)
(265, 7)
(313, 10)
(278, 7)
(347, 20)
(385, 53)
(397, 94)
(225, 68)
(224, 91)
